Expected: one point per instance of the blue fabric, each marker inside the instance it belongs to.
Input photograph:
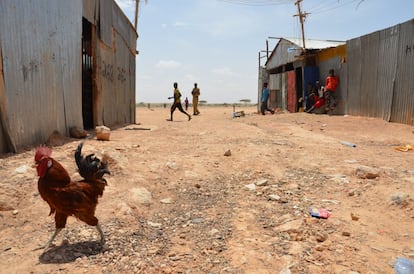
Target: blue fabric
(265, 94)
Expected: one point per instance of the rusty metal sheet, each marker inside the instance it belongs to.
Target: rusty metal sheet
(41, 67)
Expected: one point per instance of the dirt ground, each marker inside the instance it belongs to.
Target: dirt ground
(219, 194)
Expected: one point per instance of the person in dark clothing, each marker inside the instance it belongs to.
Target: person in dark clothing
(265, 97)
(177, 102)
(196, 93)
(186, 103)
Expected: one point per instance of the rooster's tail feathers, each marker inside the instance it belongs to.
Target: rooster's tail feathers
(90, 167)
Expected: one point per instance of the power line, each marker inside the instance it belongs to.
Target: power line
(319, 10)
(257, 2)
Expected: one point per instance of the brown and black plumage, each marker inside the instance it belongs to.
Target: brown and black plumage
(71, 198)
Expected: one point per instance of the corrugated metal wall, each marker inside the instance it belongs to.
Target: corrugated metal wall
(41, 46)
(40, 43)
(115, 63)
(403, 99)
(263, 77)
(380, 74)
(291, 90)
(284, 54)
(274, 86)
(115, 75)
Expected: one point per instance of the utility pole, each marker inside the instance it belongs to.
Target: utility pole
(136, 14)
(302, 16)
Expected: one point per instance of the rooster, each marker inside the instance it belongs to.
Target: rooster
(71, 198)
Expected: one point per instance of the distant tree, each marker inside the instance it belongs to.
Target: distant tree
(202, 102)
(245, 101)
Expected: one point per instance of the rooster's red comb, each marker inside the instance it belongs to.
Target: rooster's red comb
(42, 152)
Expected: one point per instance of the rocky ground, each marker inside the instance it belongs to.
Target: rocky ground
(225, 195)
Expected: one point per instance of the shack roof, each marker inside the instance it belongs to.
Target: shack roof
(316, 44)
(288, 49)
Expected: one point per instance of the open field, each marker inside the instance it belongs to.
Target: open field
(176, 203)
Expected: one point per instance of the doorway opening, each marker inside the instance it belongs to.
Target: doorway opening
(299, 88)
(87, 75)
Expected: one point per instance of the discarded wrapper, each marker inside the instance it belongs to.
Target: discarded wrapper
(319, 213)
(404, 148)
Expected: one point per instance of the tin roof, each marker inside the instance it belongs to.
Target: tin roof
(316, 44)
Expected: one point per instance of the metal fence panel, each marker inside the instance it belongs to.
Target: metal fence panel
(403, 99)
(40, 43)
(381, 74)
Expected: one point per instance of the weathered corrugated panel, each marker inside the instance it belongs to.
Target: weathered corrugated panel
(109, 15)
(105, 21)
(386, 71)
(284, 90)
(124, 27)
(342, 89)
(116, 83)
(40, 41)
(282, 54)
(380, 74)
(354, 76)
(263, 77)
(275, 84)
(369, 60)
(89, 10)
(274, 87)
(403, 99)
(329, 53)
(291, 91)
(4, 127)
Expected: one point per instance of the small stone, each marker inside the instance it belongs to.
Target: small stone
(354, 217)
(197, 220)
(319, 248)
(274, 197)
(227, 153)
(346, 234)
(321, 237)
(21, 169)
(251, 187)
(166, 201)
(172, 165)
(156, 225)
(364, 172)
(214, 231)
(262, 182)
(399, 198)
(77, 132)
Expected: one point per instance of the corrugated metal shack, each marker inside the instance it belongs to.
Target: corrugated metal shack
(376, 73)
(290, 71)
(63, 64)
(381, 74)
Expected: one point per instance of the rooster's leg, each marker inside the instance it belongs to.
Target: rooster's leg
(52, 238)
(98, 227)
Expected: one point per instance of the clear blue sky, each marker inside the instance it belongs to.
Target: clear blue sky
(216, 42)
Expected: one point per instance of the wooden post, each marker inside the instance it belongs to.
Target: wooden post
(136, 14)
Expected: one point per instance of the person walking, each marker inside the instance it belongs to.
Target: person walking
(177, 102)
(265, 97)
(195, 92)
(331, 83)
(186, 103)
